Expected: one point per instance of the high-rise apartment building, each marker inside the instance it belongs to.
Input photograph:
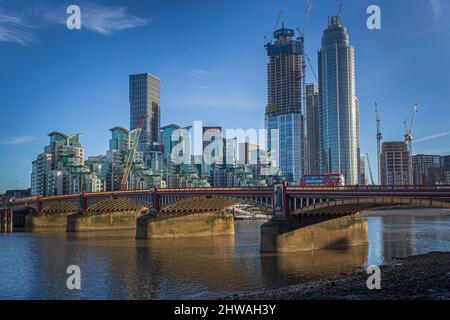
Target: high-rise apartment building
(144, 98)
(395, 163)
(285, 107)
(60, 169)
(339, 121)
(445, 161)
(312, 165)
(427, 169)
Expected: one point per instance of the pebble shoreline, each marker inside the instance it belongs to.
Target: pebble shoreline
(424, 276)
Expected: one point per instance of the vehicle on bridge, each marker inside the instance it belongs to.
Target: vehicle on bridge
(323, 180)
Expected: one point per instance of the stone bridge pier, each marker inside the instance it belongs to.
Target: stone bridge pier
(301, 233)
(199, 216)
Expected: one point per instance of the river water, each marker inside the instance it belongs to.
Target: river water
(116, 266)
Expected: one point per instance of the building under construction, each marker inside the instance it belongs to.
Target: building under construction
(395, 163)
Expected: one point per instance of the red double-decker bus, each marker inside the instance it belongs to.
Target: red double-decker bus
(323, 180)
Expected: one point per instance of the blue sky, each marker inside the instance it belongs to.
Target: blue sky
(211, 59)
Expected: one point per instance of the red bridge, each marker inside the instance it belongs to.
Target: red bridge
(281, 199)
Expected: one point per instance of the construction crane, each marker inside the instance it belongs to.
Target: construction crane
(409, 124)
(277, 21)
(305, 23)
(132, 146)
(370, 169)
(379, 138)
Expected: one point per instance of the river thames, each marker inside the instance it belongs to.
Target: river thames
(116, 266)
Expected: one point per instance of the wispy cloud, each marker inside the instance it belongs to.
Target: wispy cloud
(435, 7)
(433, 136)
(15, 29)
(200, 72)
(209, 86)
(104, 20)
(18, 140)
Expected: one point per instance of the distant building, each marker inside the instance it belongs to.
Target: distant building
(339, 121)
(16, 194)
(395, 163)
(145, 101)
(427, 169)
(285, 108)
(60, 169)
(312, 164)
(445, 161)
(362, 171)
(166, 134)
(141, 175)
(213, 141)
(248, 153)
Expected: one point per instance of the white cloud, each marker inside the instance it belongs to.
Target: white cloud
(15, 29)
(104, 20)
(433, 136)
(200, 72)
(18, 140)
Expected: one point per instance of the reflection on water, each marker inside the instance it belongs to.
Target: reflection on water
(115, 266)
(402, 233)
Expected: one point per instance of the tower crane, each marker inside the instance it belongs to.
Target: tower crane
(370, 169)
(132, 151)
(277, 21)
(379, 138)
(308, 11)
(409, 128)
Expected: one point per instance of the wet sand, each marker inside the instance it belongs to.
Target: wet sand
(424, 276)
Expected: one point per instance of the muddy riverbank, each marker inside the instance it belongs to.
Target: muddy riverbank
(424, 276)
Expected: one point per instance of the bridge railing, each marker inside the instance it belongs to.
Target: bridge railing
(114, 193)
(384, 188)
(162, 190)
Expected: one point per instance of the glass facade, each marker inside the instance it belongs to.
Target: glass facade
(285, 105)
(287, 143)
(312, 165)
(339, 120)
(145, 101)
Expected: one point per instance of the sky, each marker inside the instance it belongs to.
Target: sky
(211, 60)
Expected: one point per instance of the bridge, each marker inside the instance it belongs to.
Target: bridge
(282, 200)
(289, 205)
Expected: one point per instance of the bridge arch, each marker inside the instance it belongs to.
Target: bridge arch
(60, 207)
(117, 205)
(350, 206)
(208, 204)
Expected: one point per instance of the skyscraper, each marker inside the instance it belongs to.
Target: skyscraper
(339, 121)
(312, 128)
(284, 110)
(145, 101)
